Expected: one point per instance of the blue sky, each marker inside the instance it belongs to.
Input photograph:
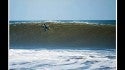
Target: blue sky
(62, 10)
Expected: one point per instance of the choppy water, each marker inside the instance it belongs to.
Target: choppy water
(62, 59)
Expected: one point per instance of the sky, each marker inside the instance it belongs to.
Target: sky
(62, 9)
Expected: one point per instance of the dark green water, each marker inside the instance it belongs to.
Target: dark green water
(62, 36)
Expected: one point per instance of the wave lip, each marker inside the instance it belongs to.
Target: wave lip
(61, 59)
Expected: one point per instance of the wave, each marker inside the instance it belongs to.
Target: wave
(62, 36)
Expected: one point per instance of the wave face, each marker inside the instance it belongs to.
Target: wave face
(62, 59)
(63, 35)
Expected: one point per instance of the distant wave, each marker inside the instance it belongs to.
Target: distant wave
(111, 22)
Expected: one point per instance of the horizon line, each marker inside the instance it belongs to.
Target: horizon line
(58, 19)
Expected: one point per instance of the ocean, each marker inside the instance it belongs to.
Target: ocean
(112, 22)
(67, 45)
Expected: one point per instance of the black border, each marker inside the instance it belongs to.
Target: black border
(120, 35)
(4, 35)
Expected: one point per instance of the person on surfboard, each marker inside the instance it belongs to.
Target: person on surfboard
(45, 27)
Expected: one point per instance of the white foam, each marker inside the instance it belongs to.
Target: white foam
(60, 59)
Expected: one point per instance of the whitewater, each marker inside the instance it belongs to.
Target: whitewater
(62, 59)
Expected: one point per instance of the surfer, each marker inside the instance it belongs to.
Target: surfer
(45, 27)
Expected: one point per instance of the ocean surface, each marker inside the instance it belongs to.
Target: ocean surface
(112, 22)
(88, 47)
